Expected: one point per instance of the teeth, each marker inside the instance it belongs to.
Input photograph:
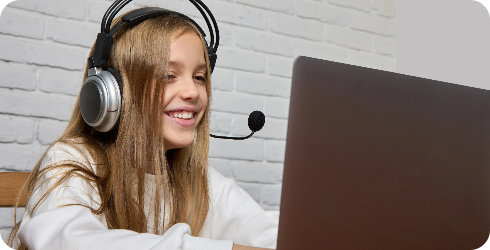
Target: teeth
(182, 115)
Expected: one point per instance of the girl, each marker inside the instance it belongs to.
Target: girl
(145, 184)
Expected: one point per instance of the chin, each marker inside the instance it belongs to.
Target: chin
(178, 142)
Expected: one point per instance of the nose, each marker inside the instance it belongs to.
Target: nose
(188, 89)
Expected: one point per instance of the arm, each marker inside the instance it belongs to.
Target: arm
(235, 215)
(55, 226)
(75, 227)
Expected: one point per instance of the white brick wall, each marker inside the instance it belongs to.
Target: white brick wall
(44, 43)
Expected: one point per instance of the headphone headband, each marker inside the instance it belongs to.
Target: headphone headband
(105, 39)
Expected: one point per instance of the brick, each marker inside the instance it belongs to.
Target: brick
(36, 104)
(323, 12)
(60, 81)
(271, 194)
(49, 130)
(273, 128)
(16, 129)
(364, 5)
(375, 24)
(263, 84)
(240, 125)
(22, 24)
(251, 149)
(349, 38)
(275, 150)
(225, 34)
(20, 157)
(236, 14)
(385, 45)
(96, 11)
(254, 190)
(220, 123)
(236, 102)
(232, 13)
(241, 60)
(70, 9)
(223, 166)
(264, 42)
(18, 76)
(374, 61)
(97, 8)
(385, 8)
(279, 66)
(286, 6)
(72, 33)
(322, 51)
(294, 26)
(176, 5)
(276, 107)
(257, 172)
(42, 53)
(222, 79)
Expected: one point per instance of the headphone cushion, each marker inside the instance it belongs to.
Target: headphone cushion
(114, 72)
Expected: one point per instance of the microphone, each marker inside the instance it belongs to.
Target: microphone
(256, 121)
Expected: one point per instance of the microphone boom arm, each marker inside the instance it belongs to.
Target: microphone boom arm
(232, 138)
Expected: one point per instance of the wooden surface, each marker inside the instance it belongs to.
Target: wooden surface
(10, 186)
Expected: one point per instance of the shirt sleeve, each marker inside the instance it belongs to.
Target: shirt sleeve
(54, 226)
(235, 215)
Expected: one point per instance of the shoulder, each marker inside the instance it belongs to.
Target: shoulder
(216, 179)
(68, 152)
(217, 182)
(65, 176)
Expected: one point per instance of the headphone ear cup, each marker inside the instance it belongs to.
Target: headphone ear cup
(101, 98)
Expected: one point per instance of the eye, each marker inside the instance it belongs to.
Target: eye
(200, 79)
(170, 78)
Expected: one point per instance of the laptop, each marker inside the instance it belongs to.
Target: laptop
(380, 160)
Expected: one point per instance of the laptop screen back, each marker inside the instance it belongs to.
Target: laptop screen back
(380, 160)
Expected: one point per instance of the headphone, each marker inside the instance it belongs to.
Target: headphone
(101, 93)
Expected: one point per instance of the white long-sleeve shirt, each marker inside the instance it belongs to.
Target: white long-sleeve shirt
(233, 217)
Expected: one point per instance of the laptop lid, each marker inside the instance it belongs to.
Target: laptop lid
(380, 160)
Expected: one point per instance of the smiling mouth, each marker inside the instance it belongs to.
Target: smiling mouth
(181, 114)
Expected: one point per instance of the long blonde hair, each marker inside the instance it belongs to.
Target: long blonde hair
(130, 160)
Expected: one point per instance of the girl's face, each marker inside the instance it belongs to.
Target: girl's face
(185, 97)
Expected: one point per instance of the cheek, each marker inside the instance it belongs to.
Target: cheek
(203, 96)
(166, 97)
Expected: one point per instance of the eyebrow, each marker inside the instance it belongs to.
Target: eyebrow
(181, 64)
